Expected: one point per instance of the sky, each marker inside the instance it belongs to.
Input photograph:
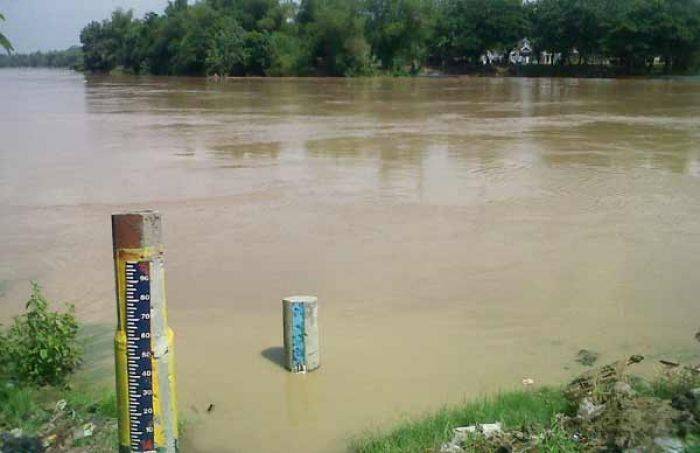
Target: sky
(55, 24)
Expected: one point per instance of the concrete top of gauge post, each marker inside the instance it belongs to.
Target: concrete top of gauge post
(136, 229)
(301, 299)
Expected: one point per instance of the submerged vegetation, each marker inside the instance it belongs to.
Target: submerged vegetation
(361, 37)
(39, 410)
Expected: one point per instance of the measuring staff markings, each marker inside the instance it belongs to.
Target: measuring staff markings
(139, 355)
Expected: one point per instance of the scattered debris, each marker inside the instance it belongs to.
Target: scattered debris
(590, 380)
(670, 444)
(63, 430)
(588, 410)
(49, 440)
(488, 429)
(587, 357)
(462, 433)
(61, 405)
(611, 414)
(88, 429)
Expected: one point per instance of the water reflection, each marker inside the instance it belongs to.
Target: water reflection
(568, 122)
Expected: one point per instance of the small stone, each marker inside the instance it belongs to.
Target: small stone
(588, 410)
(528, 382)
(451, 448)
(487, 429)
(463, 432)
(623, 389)
(491, 429)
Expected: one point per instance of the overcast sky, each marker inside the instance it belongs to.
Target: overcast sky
(55, 24)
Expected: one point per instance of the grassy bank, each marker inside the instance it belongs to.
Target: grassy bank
(634, 415)
(56, 418)
(512, 409)
(44, 406)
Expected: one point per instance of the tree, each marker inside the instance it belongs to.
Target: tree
(355, 37)
(257, 53)
(226, 50)
(564, 25)
(98, 52)
(467, 28)
(398, 31)
(629, 35)
(334, 30)
(674, 31)
(4, 42)
(106, 44)
(201, 23)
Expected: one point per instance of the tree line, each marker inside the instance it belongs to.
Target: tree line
(68, 58)
(361, 37)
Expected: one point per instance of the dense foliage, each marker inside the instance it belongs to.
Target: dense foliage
(354, 37)
(69, 58)
(41, 346)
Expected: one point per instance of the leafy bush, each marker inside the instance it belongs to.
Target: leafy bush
(41, 346)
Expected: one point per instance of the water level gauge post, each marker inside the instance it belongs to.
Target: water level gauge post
(300, 324)
(144, 354)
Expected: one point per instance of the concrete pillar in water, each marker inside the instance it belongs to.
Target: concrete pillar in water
(301, 346)
(144, 354)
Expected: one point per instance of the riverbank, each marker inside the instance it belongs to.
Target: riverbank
(602, 408)
(429, 432)
(37, 419)
(525, 71)
(44, 404)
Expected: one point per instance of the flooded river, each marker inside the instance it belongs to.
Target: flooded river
(461, 234)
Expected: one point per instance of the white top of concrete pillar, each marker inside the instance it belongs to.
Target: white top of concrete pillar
(301, 299)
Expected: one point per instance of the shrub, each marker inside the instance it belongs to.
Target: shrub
(41, 346)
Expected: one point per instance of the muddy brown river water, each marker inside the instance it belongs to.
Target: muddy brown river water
(461, 234)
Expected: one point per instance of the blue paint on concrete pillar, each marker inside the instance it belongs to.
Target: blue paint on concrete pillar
(301, 345)
(298, 336)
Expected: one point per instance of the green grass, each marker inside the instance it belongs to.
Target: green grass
(514, 409)
(32, 408)
(525, 411)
